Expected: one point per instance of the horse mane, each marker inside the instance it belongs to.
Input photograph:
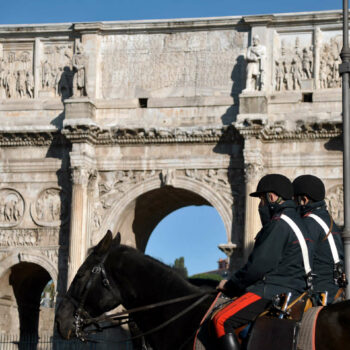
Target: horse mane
(169, 277)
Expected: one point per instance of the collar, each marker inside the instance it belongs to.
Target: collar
(310, 207)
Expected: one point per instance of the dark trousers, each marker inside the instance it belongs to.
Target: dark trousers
(238, 313)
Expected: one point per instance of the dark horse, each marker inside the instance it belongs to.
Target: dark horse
(129, 278)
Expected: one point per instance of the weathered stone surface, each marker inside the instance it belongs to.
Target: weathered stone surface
(113, 125)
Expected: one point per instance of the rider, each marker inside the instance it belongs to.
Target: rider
(275, 265)
(328, 258)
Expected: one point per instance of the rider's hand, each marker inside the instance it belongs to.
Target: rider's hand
(221, 286)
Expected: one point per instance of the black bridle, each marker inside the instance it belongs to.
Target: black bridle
(83, 318)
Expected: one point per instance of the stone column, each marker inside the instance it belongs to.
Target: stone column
(253, 172)
(252, 218)
(78, 224)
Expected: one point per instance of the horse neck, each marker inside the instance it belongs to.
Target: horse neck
(146, 280)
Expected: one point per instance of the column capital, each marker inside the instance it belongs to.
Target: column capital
(83, 175)
(253, 171)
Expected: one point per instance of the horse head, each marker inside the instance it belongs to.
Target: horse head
(90, 293)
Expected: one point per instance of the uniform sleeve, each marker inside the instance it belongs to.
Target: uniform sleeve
(265, 257)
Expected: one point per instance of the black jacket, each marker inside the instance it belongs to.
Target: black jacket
(323, 263)
(275, 265)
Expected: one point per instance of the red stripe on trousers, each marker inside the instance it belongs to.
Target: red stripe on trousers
(231, 309)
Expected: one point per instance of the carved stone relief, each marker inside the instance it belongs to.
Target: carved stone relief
(294, 63)
(79, 62)
(216, 178)
(335, 200)
(11, 208)
(52, 255)
(16, 71)
(253, 171)
(329, 63)
(256, 65)
(28, 237)
(50, 208)
(114, 184)
(56, 73)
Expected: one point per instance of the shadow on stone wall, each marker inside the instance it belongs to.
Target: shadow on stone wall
(232, 144)
(60, 149)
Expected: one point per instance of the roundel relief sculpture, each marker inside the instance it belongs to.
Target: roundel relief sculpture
(49, 209)
(11, 207)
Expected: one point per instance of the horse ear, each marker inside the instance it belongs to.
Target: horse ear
(117, 239)
(104, 244)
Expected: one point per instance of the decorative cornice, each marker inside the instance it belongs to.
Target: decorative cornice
(279, 131)
(248, 128)
(95, 135)
(30, 138)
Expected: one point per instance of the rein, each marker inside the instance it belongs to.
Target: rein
(83, 319)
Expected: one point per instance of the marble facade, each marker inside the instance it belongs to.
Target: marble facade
(113, 125)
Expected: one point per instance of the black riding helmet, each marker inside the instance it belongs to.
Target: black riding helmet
(310, 186)
(276, 183)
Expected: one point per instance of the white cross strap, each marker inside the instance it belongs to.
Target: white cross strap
(329, 236)
(302, 242)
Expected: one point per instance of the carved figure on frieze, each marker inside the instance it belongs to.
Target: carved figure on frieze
(168, 177)
(46, 75)
(29, 84)
(52, 255)
(295, 65)
(10, 84)
(18, 237)
(50, 208)
(296, 72)
(21, 83)
(11, 208)
(114, 184)
(79, 62)
(335, 200)
(329, 64)
(279, 75)
(256, 65)
(307, 62)
(217, 179)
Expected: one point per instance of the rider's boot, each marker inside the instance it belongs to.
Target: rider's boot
(229, 342)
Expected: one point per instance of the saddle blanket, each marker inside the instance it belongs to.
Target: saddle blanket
(202, 340)
(306, 336)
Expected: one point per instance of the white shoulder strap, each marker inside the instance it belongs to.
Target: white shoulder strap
(301, 240)
(330, 238)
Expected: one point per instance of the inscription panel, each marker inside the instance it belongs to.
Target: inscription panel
(151, 64)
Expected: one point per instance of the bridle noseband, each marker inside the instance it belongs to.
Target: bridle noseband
(81, 316)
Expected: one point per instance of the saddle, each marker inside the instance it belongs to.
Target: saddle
(279, 327)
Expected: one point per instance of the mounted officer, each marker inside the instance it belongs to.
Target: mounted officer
(328, 258)
(275, 266)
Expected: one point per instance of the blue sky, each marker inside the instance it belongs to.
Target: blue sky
(49, 11)
(192, 232)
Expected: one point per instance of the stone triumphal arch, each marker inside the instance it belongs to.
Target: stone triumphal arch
(113, 125)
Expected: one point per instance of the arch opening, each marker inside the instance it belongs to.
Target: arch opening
(142, 215)
(151, 207)
(28, 281)
(192, 233)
